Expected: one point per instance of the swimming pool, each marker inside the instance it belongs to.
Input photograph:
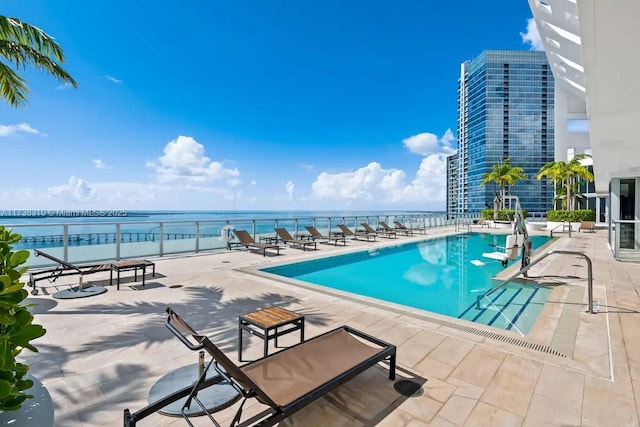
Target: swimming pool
(435, 275)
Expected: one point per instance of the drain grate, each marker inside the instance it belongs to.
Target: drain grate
(503, 338)
(175, 286)
(408, 388)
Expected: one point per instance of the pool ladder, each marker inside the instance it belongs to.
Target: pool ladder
(536, 261)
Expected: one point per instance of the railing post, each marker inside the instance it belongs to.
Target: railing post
(118, 234)
(65, 250)
(589, 283)
(161, 240)
(197, 236)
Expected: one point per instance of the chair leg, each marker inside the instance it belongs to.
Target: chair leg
(392, 367)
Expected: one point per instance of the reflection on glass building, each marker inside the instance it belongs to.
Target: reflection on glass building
(505, 110)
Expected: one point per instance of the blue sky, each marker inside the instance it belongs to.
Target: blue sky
(262, 105)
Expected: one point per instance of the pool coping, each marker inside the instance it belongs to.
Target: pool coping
(469, 330)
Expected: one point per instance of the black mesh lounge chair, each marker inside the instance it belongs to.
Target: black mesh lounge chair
(247, 241)
(401, 226)
(360, 234)
(384, 233)
(405, 231)
(315, 234)
(288, 238)
(285, 381)
(62, 269)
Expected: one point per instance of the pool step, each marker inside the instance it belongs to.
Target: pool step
(504, 308)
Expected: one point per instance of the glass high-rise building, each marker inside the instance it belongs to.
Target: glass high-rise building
(505, 110)
(452, 183)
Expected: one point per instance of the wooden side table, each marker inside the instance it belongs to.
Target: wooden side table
(265, 323)
(134, 265)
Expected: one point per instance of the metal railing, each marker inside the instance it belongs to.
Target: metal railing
(563, 225)
(98, 241)
(536, 261)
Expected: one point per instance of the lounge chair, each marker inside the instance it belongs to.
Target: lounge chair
(64, 268)
(315, 234)
(288, 238)
(401, 226)
(285, 381)
(588, 226)
(481, 223)
(346, 231)
(384, 233)
(404, 231)
(247, 241)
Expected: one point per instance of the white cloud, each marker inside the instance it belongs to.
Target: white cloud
(531, 36)
(386, 186)
(448, 142)
(430, 181)
(99, 164)
(253, 182)
(112, 79)
(184, 160)
(306, 166)
(360, 184)
(289, 187)
(6, 130)
(422, 143)
(428, 143)
(76, 190)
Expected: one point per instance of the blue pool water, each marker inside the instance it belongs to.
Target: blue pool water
(435, 275)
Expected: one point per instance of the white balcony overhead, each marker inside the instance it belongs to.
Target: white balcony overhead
(610, 36)
(559, 28)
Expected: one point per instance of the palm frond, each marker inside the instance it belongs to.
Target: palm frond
(13, 88)
(13, 29)
(22, 55)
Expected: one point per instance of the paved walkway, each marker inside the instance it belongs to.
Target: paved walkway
(102, 354)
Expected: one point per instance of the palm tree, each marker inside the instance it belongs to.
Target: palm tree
(503, 173)
(23, 45)
(566, 176)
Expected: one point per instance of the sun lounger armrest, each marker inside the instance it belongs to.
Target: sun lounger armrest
(368, 337)
(175, 331)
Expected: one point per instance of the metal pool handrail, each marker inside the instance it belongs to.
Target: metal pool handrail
(536, 261)
(563, 224)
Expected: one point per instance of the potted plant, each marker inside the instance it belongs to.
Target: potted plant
(16, 328)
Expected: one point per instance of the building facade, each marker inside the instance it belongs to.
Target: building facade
(505, 110)
(452, 183)
(589, 45)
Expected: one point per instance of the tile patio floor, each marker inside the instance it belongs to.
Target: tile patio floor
(102, 354)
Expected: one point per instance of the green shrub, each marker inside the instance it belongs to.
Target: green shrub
(16, 328)
(503, 215)
(571, 216)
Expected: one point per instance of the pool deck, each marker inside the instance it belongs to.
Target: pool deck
(102, 354)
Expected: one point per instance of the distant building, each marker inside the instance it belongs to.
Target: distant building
(505, 110)
(452, 183)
